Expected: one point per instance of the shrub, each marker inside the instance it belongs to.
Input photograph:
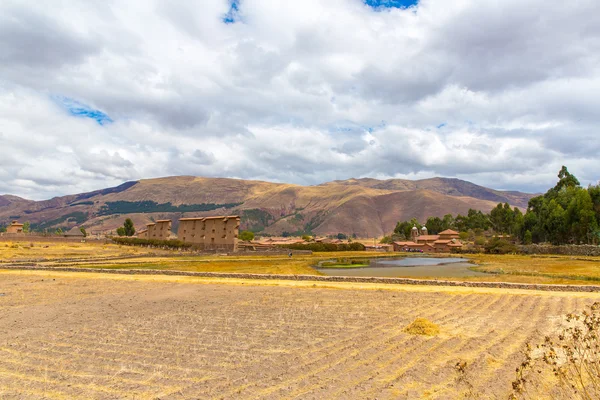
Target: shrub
(480, 240)
(386, 240)
(565, 365)
(326, 247)
(498, 245)
(246, 236)
(131, 241)
(422, 326)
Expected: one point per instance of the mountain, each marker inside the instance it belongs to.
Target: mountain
(366, 207)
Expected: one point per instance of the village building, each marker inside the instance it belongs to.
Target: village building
(444, 242)
(211, 233)
(75, 232)
(14, 227)
(143, 234)
(159, 230)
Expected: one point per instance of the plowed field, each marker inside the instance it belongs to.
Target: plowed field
(88, 336)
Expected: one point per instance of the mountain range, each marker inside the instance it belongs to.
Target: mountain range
(365, 207)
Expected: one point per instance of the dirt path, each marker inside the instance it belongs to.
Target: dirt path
(97, 336)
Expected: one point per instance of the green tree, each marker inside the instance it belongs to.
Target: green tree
(83, 231)
(448, 222)
(386, 240)
(581, 217)
(306, 238)
(26, 227)
(129, 228)
(342, 236)
(246, 236)
(404, 229)
(497, 218)
(434, 225)
(554, 223)
(121, 231)
(59, 231)
(518, 221)
(2, 228)
(528, 237)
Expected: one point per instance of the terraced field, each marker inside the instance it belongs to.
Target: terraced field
(93, 336)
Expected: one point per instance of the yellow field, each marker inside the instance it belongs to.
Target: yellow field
(500, 268)
(25, 250)
(543, 269)
(97, 336)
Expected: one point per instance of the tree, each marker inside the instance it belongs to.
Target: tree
(59, 231)
(554, 222)
(434, 225)
(121, 231)
(246, 236)
(2, 228)
(82, 229)
(403, 229)
(448, 222)
(306, 238)
(26, 227)
(528, 237)
(342, 236)
(128, 226)
(386, 240)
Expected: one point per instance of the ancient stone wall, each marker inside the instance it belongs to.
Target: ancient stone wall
(317, 278)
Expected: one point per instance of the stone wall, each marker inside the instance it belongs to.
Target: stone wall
(318, 278)
(570, 250)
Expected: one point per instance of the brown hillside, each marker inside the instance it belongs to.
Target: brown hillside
(366, 207)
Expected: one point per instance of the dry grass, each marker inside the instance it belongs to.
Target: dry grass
(422, 326)
(555, 269)
(24, 250)
(499, 268)
(96, 336)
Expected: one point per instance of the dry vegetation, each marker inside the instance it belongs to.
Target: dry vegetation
(542, 268)
(499, 268)
(81, 335)
(24, 250)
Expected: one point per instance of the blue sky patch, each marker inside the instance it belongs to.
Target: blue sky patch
(391, 3)
(232, 15)
(440, 126)
(78, 109)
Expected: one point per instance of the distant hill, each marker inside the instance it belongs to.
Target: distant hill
(366, 207)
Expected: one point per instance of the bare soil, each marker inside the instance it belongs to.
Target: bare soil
(67, 336)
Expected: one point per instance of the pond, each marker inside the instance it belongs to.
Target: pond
(410, 267)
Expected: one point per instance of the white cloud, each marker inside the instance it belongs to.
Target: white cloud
(302, 92)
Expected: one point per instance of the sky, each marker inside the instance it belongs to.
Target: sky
(98, 92)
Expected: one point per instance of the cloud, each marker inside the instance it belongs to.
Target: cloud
(93, 94)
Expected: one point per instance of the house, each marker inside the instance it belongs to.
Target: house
(74, 233)
(383, 248)
(211, 233)
(444, 242)
(14, 227)
(159, 230)
(143, 234)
